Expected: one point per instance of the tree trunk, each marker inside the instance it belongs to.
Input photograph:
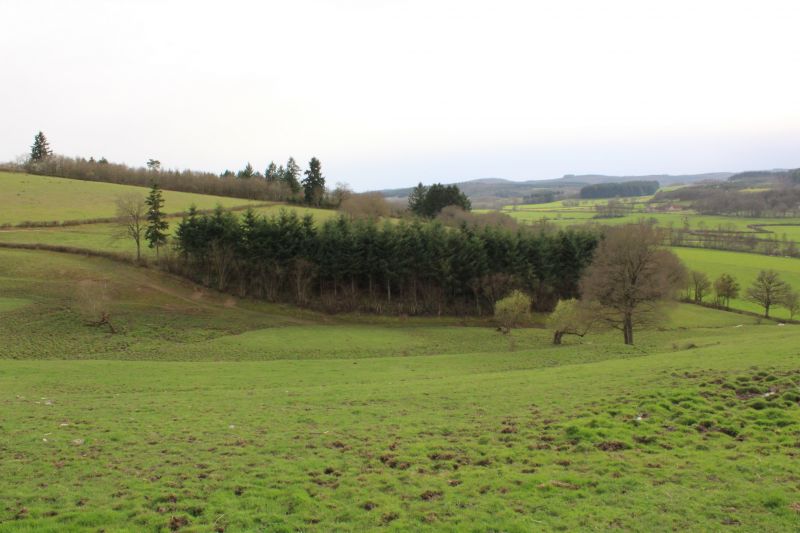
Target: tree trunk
(766, 310)
(557, 337)
(627, 329)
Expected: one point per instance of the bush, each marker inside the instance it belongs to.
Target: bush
(513, 311)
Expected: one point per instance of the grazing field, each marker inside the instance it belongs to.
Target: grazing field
(211, 413)
(107, 237)
(744, 267)
(26, 197)
(564, 216)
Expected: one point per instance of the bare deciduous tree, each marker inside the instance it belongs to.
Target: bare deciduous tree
(132, 214)
(631, 276)
(767, 290)
(725, 288)
(792, 303)
(700, 284)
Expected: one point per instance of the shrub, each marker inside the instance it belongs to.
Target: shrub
(513, 310)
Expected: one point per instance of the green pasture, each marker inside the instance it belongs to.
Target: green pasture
(744, 267)
(221, 414)
(108, 237)
(26, 197)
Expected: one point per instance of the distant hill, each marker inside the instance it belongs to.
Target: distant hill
(493, 192)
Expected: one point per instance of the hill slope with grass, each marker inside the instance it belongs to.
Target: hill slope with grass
(31, 198)
(209, 412)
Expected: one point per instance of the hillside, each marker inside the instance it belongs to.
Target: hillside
(27, 197)
(487, 192)
(256, 413)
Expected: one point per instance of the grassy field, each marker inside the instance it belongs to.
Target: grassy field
(26, 197)
(563, 216)
(212, 413)
(744, 267)
(107, 237)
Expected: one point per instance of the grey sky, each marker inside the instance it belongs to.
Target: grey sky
(388, 93)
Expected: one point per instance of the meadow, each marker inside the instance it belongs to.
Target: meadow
(207, 412)
(280, 419)
(30, 198)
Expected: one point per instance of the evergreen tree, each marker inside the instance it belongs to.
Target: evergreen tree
(416, 198)
(248, 172)
(41, 148)
(156, 231)
(314, 183)
(291, 175)
(271, 174)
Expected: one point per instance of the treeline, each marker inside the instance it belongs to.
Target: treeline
(622, 189)
(174, 180)
(406, 268)
(722, 200)
(724, 238)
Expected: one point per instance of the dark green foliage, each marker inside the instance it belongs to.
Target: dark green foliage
(614, 190)
(291, 176)
(313, 183)
(41, 148)
(360, 265)
(156, 231)
(247, 172)
(429, 201)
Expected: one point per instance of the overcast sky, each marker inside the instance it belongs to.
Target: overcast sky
(388, 93)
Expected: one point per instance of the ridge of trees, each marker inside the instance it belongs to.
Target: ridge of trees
(622, 189)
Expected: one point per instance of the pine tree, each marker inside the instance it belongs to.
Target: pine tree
(271, 174)
(314, 183)
(248, 171)
(416, 198)
(156, 231)
(291, 175)
(41, 148)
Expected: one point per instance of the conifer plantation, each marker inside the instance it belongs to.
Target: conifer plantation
(409, 268)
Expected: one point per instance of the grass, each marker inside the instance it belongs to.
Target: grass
(27, 197)
(213, 413)
(107, 237)
(744, 267)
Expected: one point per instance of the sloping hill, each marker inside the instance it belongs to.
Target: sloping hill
(26, 197)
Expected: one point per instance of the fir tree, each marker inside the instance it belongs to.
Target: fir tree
(156, 231)
(41, 148)
(291, 175)
(314, 183)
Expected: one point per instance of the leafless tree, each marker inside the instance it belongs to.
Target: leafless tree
(630, 276)
(792, 303)
(93, 302)
(132, 217)
(700, 284)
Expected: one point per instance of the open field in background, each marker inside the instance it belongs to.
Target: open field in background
(562, 216)
(26, 197)
(744, 267)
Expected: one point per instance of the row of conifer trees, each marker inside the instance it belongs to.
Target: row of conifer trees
(362, 265)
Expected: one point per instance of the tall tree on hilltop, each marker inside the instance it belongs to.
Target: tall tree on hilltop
(314, 183)
(156, 231)
(291, 175)
(271, 174)
(248, 171)
(40, 150)
(416, 198)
